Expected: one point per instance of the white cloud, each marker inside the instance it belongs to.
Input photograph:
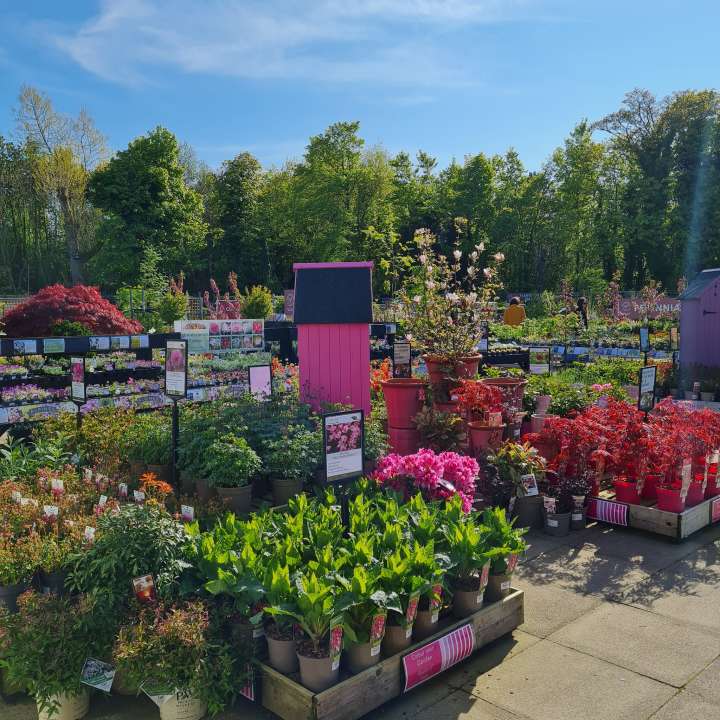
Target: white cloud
(380, 41)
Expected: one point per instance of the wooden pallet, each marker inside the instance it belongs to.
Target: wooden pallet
(646, 516)
(356, 695)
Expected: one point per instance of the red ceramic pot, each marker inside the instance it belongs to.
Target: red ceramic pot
(649, 491)
(626, 492)
(696, 492)
(442, 369)
(403, 441)
(467, 367)
(669, 499)
(439, 369)
(404, 398)
(484, 437)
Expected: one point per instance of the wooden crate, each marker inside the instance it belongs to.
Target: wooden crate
(648, 517)
(356, 695)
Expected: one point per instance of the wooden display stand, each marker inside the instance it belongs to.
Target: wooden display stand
(604, 508)
(357, 695)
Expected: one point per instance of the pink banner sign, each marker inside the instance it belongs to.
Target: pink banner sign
(431, 659)
(635, 309)
(608, 511)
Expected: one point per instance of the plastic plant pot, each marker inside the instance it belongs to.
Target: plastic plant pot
(404, 398)
(649, 491)
(696, 493)
(557, 524)
(626, 492)
(669, 499)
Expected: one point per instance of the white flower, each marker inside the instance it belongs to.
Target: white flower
(429, 284)
(452, 297)
(474, 255)
(416, 299)
(423, 259)
(471, 272)
(499, 257)
(472, 297)
(457, 254)
(480, 247)
(487, 272)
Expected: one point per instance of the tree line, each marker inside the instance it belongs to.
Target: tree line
(633, 196)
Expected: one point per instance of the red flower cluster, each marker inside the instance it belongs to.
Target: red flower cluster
(475, 399)
(81, 303)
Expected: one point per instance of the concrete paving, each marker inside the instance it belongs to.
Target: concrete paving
(619, 625)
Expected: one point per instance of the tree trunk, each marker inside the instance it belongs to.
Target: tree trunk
(71, 242)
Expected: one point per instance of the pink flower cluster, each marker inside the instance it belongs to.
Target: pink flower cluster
(344, 436)
(437, 476)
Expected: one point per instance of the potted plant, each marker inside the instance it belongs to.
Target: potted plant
(291, 460)
(279, 631)
(443, 303)
(508, 543)
(54, 554)
(440, 431)
(319, 616)
(44, 647)
(177, 655)
(556, 511)
(230, 466)
(19, 560)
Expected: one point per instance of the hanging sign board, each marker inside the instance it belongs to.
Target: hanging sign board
(402, 359)
(77, 379)
(343, 445)
(644, 339)
(646, 397)
(176, 368)
(539, 360)
(260, 381)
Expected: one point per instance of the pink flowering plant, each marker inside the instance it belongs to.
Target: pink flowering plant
(436, 475)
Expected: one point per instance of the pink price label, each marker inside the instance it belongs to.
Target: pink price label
(512, 563)
(429, 660)
(412, 608)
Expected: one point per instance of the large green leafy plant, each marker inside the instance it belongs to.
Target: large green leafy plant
(230, 462)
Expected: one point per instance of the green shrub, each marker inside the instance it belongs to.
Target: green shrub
(257, 302)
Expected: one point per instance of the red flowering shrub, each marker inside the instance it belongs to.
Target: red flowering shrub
(36, 316)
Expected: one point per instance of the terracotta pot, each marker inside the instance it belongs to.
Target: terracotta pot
(204, 491)
(669, 499)
(557, 524)
(425, 625)
(403, 442)
(163, 472)
(626, 492)
(10, 593)
(285, 488)
(439, 369)
(498, 587)
(282, 655)
(359, 657)
(695, 494)
(537, 422)
(404, 398)
(529, 511)
(317, 674)
(542, 404)
(237, 499)
(483, 437)
(181, 707)
(513, 389)
(69, 707)
(397, 639)
(467, 602)
(467, 367)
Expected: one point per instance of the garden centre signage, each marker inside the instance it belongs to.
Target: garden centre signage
(402, 359)
(539, 360)
(437, 656)
(221, 336)
(484, 344)
(53, 345)
(644, 339)
(343, 441)
(77, 379)
(646, 397)
(260, 378)
(176, 368)
(98, 674)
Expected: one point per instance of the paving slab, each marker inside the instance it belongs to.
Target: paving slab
(688, 706)
(584, 569)
(707, 684)
(551, 682)
(411, 705)
(462, 706)
(661, 648)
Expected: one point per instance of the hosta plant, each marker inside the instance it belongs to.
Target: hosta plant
(505, 540)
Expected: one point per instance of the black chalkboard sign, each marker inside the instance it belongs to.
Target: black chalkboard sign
(333, 293)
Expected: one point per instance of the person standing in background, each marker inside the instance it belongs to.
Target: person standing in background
(515, 313)
(582, 310)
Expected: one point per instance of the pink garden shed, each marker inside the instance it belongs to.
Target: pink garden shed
(700, 321)
(333, 311)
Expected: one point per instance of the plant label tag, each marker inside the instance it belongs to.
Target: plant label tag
(435, 657)
(139, 496)
(714, 457)
(336, 636)
(484, 575)
(98, 674)
(158, 692)
(494, 419)
(511, 504)
(408, 632)
(434, 618)
(28, 501)
(377, 631)
(187, 513)
(686, 477)
(102, 501)
(436, 598)
(529, 483)
(479, 598)
(576, 517)
(505, 585)
(552, 523)
(578, 503)
(122, 490)
(550, 504)
(258, 632)
(17, 497)
(50, 511)
(512, 563)
(89, 534)
(57, 487)
(412, 607)
(144, 587)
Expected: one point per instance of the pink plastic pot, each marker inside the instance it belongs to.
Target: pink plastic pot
(696, 492)
(483, 437)
(626, 492)
(712, 489)
(649, 491)
(669, 499)
(404, 398)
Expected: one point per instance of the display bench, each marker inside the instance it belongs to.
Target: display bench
(356, 695)
(645, 516)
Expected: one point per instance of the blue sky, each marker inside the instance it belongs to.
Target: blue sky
(450, 77)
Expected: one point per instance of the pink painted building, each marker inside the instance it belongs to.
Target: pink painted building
(700, 320)
(333, 311)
